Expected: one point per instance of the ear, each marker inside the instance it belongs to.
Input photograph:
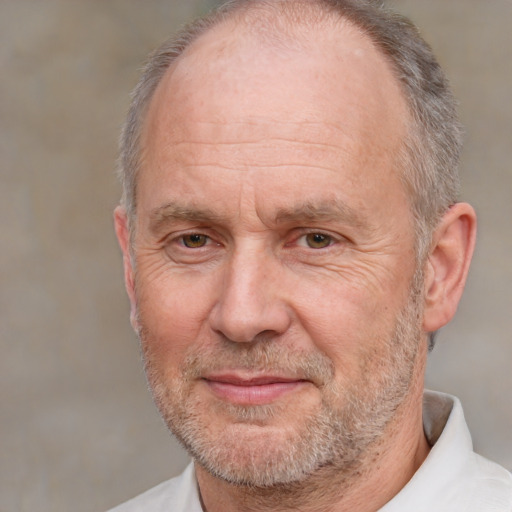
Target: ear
(123, 237)
(448, 264)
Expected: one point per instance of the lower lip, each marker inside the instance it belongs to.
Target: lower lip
(252, 394)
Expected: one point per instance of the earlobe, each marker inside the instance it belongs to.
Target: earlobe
(448, 264)
(123, 237)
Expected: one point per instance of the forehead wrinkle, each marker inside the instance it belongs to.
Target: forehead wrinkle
(225, 132)
(311, 150)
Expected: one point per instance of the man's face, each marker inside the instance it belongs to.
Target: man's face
(274, 254)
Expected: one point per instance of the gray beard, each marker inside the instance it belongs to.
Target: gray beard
(335, 439)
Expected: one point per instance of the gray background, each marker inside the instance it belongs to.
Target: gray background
(78, 430)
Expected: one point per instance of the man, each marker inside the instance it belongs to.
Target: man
(292, 240)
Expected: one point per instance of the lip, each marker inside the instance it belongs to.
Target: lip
(252, 390)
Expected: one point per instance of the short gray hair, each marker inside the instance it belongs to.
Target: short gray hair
(431, 151)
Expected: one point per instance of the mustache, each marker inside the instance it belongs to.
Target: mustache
(259, 357)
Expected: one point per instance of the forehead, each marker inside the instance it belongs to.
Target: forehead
(238, 62)
(241, 101)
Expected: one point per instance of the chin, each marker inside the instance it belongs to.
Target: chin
(260, 446)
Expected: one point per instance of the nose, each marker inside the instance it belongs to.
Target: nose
(251, 299)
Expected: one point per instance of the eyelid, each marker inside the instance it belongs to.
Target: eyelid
(181, 240)
(176, 251)
(177, 238)
(216, 239)
(304, 232)
(179, 229)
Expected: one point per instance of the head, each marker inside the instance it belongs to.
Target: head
(431, 147)
(281, 165)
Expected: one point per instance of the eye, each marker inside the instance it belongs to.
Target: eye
(194, 240)
(317, 240)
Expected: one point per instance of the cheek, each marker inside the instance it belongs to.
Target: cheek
(347, 322)
(172, 313)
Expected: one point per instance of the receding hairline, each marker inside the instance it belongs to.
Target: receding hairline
(279, 25)
(269, 30)
(292, 40)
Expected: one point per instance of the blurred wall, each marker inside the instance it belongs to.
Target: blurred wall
(78, 429)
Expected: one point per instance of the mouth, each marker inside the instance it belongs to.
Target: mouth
(252, 390)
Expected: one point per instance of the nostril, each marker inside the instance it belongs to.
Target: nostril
(263, 337)
(244, 326)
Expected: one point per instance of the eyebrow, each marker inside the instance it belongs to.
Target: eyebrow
(330, 211)
(326, 211)
(173, 212)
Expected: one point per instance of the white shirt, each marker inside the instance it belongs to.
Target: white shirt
(453, 478)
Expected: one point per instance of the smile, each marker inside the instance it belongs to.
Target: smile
(252, 391)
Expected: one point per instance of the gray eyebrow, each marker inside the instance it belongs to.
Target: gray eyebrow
(162, 215)
(325, 211)
(297, 214)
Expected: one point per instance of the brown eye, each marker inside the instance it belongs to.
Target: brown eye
(318, 240)
(194, 241)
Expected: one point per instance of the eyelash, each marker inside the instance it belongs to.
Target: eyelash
(300, 240)
(318, 237)
(206, 239)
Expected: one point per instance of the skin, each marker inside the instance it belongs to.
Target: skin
(270, 212)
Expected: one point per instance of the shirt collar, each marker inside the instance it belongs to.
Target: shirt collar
(451, 479)
(439, 478)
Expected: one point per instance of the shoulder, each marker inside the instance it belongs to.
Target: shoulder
(491, 484)
(472, 480)
(177, 494)
(453, 478)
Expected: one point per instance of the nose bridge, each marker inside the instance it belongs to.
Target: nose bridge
(249, 301)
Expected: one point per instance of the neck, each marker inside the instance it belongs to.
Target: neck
(385, 469)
